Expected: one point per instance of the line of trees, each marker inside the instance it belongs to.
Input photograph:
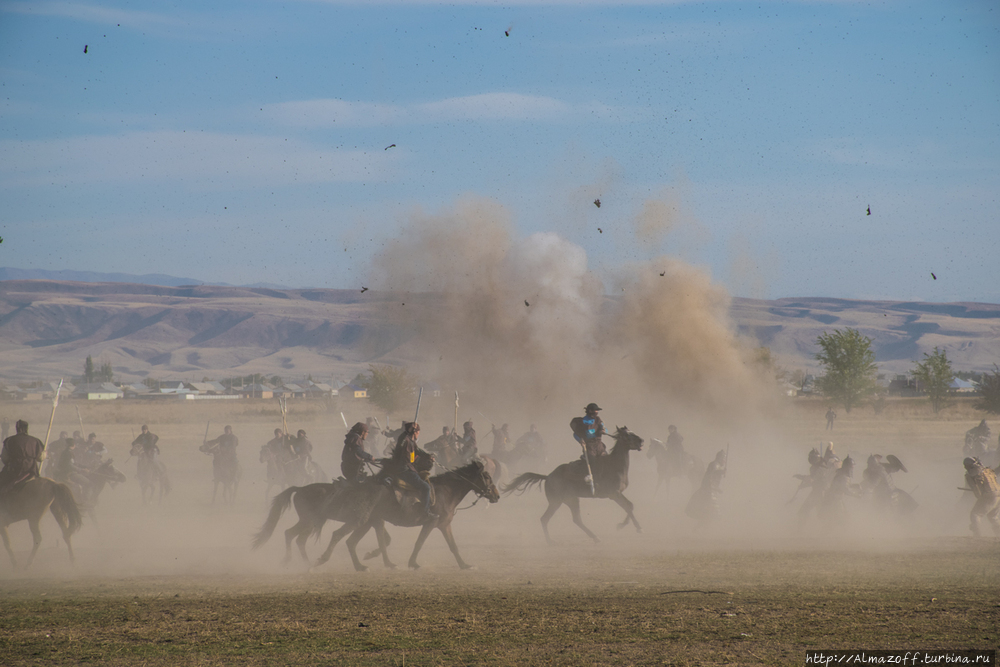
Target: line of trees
(851, 373)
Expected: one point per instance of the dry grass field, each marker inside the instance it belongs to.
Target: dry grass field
(177, 583)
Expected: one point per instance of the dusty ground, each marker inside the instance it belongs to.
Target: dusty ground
(177, 584)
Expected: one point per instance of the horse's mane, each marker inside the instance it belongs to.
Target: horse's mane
(474, 467)
(622, 436)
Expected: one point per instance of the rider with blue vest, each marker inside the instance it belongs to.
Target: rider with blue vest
(588, 431)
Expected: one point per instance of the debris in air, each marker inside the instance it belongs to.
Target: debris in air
(600, 231)
(869, 210)
(84, 48)
(597, 203)
(933, 276)
(364, 289)
(663, 273)
(389, 146)
(526, 302)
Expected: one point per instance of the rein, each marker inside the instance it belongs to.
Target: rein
(480, 493)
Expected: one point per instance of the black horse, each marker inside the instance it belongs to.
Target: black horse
(567, 483)
(448, 488)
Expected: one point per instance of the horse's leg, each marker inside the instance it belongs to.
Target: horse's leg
(626, 505)
(63, 522)
(574, 506)
(6, 545)
(352, 546)
(425, 530)
(215, 490)
(450, 539)
(300, 533)
(335, 537)
(553, 506)
(383, 545)
(384, 539)
(36, 536)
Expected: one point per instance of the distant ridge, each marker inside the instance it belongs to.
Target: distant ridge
(160, 279)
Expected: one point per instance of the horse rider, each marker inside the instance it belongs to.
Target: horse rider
(21, 456)
(834, 505)
(302, 450)
(226, 444)
(704, 503)
(443, 446)
(404, 465)
(501, 442)
(977, 440)
(354, 457)
(530, 443)
(92, 453)
(587, 430)
(55, 448)
(467, 443)
(68, 470)
(982, 481)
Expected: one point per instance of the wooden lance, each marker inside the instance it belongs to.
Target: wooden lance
(55, 402)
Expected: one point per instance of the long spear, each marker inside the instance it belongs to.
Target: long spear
(419, 396)
(205, 439)
(456, 413)
(55, 402)
(83, 431)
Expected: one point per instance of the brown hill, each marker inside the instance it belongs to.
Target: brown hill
(47, 329)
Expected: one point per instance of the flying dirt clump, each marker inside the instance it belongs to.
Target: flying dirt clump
(654, 338)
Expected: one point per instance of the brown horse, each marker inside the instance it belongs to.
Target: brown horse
(567, 484)
(449, 490)
(28, 502)
(315, 505)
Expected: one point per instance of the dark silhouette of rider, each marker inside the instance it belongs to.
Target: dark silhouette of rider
(404, 462)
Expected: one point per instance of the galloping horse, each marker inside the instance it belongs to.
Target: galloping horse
(104, 474)
(567, 484)
(449, 490)
(674, 462)
(150, 473)
(314, 506)
(28, 502)
(226, 470)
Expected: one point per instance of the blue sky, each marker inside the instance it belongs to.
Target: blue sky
(246, 142)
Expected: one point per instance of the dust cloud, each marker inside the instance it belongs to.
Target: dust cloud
(527, 332)
(526, 325)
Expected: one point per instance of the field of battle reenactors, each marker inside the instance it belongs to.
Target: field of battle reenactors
(303, 532)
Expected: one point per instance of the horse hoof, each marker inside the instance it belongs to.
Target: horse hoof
(466, 566)
(361, 568)
(414, 566)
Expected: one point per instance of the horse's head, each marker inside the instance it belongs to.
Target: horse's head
(484, 486)
(115, 475)
(627, 438)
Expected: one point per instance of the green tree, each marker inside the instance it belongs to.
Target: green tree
(850, 366)
(389, 387)
(88, 370)
(107, 373)
(989, 392)
(936, 375)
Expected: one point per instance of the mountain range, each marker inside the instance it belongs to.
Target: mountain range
(49, 327)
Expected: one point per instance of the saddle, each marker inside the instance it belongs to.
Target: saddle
(406, 494)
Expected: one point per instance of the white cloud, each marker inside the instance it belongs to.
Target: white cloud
(484, 107)
(493, 106)
(94, 14)
(209, 159)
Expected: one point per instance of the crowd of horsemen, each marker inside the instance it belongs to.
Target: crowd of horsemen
(829, 483)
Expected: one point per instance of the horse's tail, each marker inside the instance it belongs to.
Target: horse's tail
(65, 504)
(524, 481)
(279, 505)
